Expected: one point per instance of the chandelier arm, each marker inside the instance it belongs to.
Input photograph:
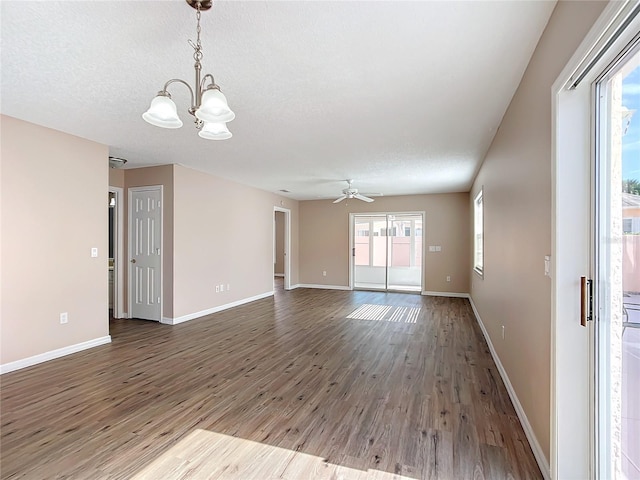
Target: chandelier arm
(177, 80)
(213, 82)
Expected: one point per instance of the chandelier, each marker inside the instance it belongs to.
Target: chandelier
(208, 103)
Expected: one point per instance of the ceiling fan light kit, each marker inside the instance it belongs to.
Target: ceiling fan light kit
(208, 104)
(115, 162)
(351, 192)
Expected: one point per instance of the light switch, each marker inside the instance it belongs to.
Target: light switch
(432, 248)
(94, 252)
(438, 248)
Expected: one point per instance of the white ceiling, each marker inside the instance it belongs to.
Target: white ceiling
(404, 97)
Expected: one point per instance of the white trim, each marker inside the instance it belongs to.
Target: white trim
(209, 311)
(53, 354)
(543, 464)
(278, 274)
(323, 287)
(446, 294)
(118, 266)
(287, 244)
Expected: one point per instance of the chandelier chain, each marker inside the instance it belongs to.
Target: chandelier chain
(197, 55)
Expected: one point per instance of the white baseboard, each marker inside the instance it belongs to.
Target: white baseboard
(209, 311)
(278, 274)
(60, 352)
(445, 294)
(533, 441)
(324, 287)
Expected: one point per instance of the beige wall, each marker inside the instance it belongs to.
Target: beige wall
(214, 232)
(631, 263)
(223, 235)
(279, 253)
(324, 238)
(516, 180)
(116, 177)
(54, 210)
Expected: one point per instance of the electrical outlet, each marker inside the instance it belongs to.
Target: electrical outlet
(222, 287)
(64, 317)
(503, 332)
(448, 278)
(324, 273)
(217, 288)
(94, 252)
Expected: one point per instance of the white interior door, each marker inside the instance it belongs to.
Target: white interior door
(145, 253)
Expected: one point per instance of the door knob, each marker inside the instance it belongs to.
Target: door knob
(133, 260)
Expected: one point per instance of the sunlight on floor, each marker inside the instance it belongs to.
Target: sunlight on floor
(208, 455)
(385, 313)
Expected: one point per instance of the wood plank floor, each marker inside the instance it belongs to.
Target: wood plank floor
(408, 391)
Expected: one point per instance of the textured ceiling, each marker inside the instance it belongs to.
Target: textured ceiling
(403, 97)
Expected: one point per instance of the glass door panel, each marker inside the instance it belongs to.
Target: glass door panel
(617, 250)
(370, 252)
(405, 263)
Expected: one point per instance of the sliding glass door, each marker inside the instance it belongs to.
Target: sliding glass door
(387, 251)
(617, 268)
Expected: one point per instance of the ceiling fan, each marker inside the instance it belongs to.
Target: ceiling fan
(351, 192)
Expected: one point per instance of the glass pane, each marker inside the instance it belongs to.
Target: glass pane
(379, 243)
(370, 252)
(618, 273)
(630, 129)
(362, 234)
(405, 253)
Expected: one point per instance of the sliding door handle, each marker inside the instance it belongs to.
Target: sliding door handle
(586, 300)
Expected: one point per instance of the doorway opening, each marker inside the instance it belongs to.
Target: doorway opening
(116, 271)
(281, 248)
(387, 251)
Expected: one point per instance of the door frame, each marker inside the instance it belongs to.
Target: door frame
(130, 191)
(573, 355)
(118, 263)
(351, 257)
(287, 243)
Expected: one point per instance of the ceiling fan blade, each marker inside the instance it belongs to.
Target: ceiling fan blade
(339, 199)
(373, 194)
(363, 198)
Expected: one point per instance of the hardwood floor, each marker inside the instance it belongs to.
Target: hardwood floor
(413, 394)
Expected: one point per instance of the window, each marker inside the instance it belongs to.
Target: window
(478, 238)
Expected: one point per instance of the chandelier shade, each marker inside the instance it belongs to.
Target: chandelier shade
(163, 112)
(215, 131)
(214, 107)
(208, 104)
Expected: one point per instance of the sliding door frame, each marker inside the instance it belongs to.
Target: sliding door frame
(352, 217)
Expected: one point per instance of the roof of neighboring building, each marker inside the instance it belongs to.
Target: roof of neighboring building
(630, 200)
